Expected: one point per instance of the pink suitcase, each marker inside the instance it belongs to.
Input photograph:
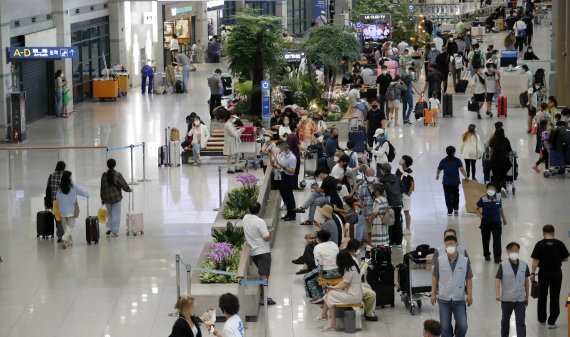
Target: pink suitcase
(135, 222)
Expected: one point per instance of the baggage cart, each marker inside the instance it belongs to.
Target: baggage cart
(310, 164)
(414, 281)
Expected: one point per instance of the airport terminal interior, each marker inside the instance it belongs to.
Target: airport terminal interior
(126, 286)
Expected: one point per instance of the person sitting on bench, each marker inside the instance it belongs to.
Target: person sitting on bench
(324, 189)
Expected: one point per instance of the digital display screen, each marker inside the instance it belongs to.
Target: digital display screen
(376, 32)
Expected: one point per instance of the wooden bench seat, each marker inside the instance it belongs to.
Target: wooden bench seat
(346, 306)
(331, 281)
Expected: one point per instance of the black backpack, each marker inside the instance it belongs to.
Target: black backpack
(380, 256)
(476, 61)
(391, 152)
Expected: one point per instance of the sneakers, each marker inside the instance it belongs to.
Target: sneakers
(407, 231)
(114, 235)
(407, 122)
(535, 168)
(64, 244)
(449, 213)
(552, 326)
(503, 192)
(456, 211)
(317, 300)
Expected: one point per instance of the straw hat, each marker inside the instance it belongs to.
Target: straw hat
(326, 211)
(268, 133)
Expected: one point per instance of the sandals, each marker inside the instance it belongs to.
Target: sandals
(329, 328)
(270, 301)
(321, 318)
(306, 223)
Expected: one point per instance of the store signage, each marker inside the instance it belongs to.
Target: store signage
(183, 10)
(318, 7)
(293, 56)
(39, 53)
(265, 98)
(379, 17)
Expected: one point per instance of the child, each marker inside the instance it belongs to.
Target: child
(65, 100)
(405, 174)
(434, 107)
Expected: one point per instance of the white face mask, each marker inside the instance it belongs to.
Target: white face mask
(491, 193)
(336, 159)
(384, 72)
(357, 252)
(286, 122)
(303, 117)
(450, 250)
(402, 162)
(267, 138)
(513, 256)
(371, 179)
(196, 123)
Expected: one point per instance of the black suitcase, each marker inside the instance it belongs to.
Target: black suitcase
(227, 84)
(179, 87)
(419, 109)
(164, 151)
(381, 280)
(359, 138)
(447, 105)
(92, 230)
(461, 86)
(45, 223)
(371, 94)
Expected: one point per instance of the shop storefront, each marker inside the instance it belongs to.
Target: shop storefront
(179, 20)
(92, 39)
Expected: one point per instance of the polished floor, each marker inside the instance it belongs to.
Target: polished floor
(126, 286)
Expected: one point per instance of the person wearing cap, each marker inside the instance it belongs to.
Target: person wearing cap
(394, 188)
(441, 249)
(408, 96)
(490, 211)
(380, 149)
(547, 256)
(451, 166)
(452, 289)
(286, 166)
(268, 149)
(216, 90)
(321, 20)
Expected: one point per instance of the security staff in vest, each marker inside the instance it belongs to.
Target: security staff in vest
(512, 289)
(452, 287)
(441, 249)
(548, 255)
(490, 210)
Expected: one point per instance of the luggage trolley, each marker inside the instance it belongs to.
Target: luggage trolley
(414, 282)
(310, 164)
(556, 163)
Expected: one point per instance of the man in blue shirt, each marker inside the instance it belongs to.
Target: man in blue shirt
(331, 144)
(490, 210)
(408, 97)
(451, 166)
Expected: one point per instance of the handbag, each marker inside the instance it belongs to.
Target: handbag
(388, 217)
(76, 211)
(534, 129)
(55, 210)
(534, 289)
(102, 214)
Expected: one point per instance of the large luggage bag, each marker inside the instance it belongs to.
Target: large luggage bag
(178, 87)
(45, 223)
(135, 221)
(381, 280)
(428, 117)
(447, 105)
(174, 153)
(227, 84)
(92, 232)
(502, 106)
(164, 152)
(419, 108)
(310, 167)
(358, 136)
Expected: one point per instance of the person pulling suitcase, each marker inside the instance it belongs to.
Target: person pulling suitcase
(112, 183)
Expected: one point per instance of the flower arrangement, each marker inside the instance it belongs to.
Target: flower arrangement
(238, 199)
(220, 256)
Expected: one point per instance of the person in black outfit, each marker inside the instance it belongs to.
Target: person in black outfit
(187, 324)
(382, 83)
(375, 119)
(548, 255)
(528, 20)
(433, 82)
(394, 188)
(500, 162)
(529, 55)
(510, 20)
(294, 144)
(442, 62)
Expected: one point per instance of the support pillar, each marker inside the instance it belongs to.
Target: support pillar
(201, 29)
(566, 58)
(281, 11)
(62, 25)
(5, 71)
(559, 38)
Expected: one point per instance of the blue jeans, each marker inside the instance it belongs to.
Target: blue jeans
(196, 151)
(408, 107)
(459, 311)
(114, 217)
(58, 104)
(150, 83)
(359, 228)
(185, 75)
(319, 201)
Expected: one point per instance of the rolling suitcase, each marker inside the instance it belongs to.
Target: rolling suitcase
(502, 106)
(447, 105)
(421, 105)
(310, 167)
(428, 117)
(164, 152)
(135, 221)
(92, 233)
(461, 86)
(178, 87)
(45, 223)
(381, 280)
(174, 153)
(358, 136)
(227, 83)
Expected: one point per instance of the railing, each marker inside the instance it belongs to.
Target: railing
(132, 147)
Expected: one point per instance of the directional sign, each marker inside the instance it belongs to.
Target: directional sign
(265, 98)
(39, 53)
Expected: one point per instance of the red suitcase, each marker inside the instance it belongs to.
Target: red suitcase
(502, 106)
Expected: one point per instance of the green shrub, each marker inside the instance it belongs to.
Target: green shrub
(232, 234)
(237, 202)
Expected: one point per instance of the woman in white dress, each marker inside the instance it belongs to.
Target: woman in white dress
(349, 291)
(231, 144)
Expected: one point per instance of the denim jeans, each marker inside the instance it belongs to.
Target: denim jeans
(507, 310)
(185, 75)
(196, 148)
(317, 202)
(114, 217)
(359, 228)
(58, 104)
(459, 311)
(408, 107)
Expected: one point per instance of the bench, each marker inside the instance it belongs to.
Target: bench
(349, 317)
(330, 281)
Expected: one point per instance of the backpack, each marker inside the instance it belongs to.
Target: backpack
(174, 135)
(521, 32)
(394, 189)
(388, 218)
(477, 59)
(352, 162)
(391, 152)
(391, 92)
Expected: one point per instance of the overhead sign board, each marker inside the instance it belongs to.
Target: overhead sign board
(376, 17)
(39, 53)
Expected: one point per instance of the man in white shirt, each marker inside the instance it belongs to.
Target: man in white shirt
(438, 42)
(321, 20)
(520, 34)
(402, 46)
(257, 237)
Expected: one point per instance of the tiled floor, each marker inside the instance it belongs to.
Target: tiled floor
(126, 287)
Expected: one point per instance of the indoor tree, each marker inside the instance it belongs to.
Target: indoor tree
(254, 49)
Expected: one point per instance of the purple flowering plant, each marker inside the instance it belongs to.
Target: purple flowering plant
(247, 180)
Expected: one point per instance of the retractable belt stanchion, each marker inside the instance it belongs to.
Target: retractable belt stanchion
(144, 179)
(132, 147)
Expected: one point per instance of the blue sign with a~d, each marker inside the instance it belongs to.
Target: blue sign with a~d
(265, 98)
(38, 53)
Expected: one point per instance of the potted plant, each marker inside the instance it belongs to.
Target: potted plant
(238, 198)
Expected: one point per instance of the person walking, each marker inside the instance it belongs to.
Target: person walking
(375, 119)
(286, 166)
(231, 143)
(66, 197)
(186, 64)
(58, 92)
(520, 34)
(147, 75)
(382, 83)
(490, 211)
(200, 135)
(258, 238)
(492, 86)
(187, 324)
(547, 256)
(404, 172)
(479, 90)
(112, 183)
(500, 162)
(452, 289)
(433, 82)
(216, 90)
(408, 96)
(471, 150)
(53, 183)
(451, 166)
(512, 290)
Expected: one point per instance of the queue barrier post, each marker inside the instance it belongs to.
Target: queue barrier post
(219, 189)
(9, 170)
(177, 276)
(133, 182)
(144, 179)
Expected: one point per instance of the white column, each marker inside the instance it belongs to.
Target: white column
(5, 72)
(62, 24)
(201, 28)
(117, 34)
(281, 11)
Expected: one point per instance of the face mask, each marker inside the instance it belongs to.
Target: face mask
(491, 193)
(196, 123)
(513, 256)
(402, 162)
(370, 179)
(267, 138)
(530, 50)
(450, 250)
(335, 159)
(384, 72)
(303, 117)
(357, 252)
(286, 122)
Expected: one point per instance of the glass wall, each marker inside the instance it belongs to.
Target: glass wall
(296, 17)
(92, 39)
